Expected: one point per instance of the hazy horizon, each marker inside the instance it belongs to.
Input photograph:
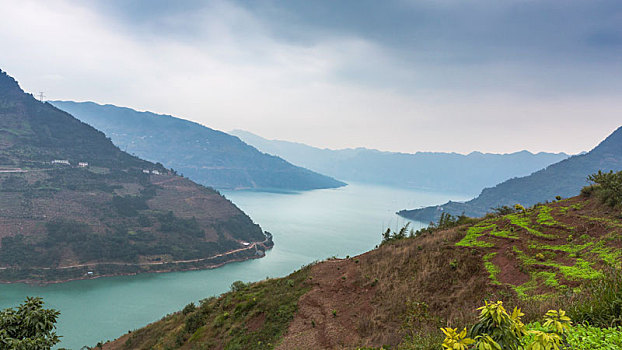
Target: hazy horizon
(400, 76)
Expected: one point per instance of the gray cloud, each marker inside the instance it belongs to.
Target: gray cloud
(397, 75)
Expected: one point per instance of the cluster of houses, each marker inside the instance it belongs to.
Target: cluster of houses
(85, 165)
(66, 162)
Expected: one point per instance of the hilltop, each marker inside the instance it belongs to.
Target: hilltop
(565, 179)
(207, 156)
(430, 171)
(73, 205)
(407, 288)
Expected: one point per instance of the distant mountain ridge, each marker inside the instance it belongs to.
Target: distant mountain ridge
(565, 179)
(73, 205)
(436, 171)
(210, 157)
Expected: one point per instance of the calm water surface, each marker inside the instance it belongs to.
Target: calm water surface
(306, 226)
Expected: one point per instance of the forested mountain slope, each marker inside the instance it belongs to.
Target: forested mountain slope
(73, 205)
(207, 156)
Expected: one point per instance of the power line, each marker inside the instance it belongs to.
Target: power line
(41, 96)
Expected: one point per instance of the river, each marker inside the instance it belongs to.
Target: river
(307, 226)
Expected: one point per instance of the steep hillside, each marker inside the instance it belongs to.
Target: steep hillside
(407, 288)
(565, 179)
(205, 155)
(73, 205)
(452, 172)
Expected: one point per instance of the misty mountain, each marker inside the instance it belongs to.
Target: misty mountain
(565, 179)
(207, 156)
(435, 171)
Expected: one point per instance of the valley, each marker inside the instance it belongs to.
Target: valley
(306, 227)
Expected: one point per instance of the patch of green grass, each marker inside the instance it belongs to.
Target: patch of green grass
(582, 270)
(568, 248)
(609, 255)
(524, 222)
(525, 290)
(545, 217)
(611, 223)
(584, 337)
(492, 269)
(473, 233)
(504, 233)
(549, 278)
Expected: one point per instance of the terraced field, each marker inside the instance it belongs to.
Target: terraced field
(549, 248)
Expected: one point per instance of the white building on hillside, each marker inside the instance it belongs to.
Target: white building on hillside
(61, 161)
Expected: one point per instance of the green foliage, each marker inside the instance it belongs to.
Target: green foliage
(496, 329)
(238, 286)
(445, 222)
(129, 205)
(585, 337)
(609, 187)
(29, 327)
(492, 269)
(223, 322)
(600, 303)
(456, 340)
(474, 232)
(503, 210)
(504, 329)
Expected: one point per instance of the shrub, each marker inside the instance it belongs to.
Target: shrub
(188, 309)
(496, 329)
(609, 187)
(237, 286)
(503, 210)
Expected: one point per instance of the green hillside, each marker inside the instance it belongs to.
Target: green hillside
(565, 179)
(559, 255)
(73, 205)
(205, 155)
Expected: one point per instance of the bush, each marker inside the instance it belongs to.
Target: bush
(496, 329)
(608, 187)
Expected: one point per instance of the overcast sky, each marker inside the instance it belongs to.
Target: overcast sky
(430, 75)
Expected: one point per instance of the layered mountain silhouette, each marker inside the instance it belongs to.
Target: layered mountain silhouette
(565, 179)
(73, 205)
(435, 171)
(205, 155)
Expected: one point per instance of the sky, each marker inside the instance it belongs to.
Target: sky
(396, 75)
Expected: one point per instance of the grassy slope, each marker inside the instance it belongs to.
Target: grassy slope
(110, 213)
(382, 296)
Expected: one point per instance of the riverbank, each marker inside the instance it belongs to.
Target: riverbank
(62, 274)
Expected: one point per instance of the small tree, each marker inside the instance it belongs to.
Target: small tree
(609, 187)
(496, 329)
(29, 327)
(519, 208)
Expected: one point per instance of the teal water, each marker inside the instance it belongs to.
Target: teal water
(307, 226)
